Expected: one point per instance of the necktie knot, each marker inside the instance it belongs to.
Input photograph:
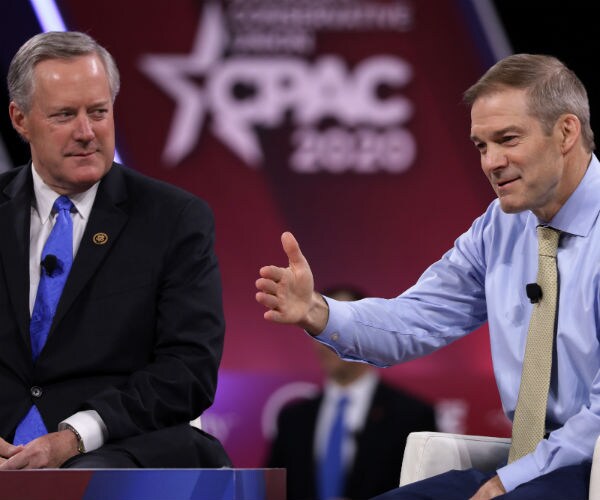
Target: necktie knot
(547, 240)
(62, 203)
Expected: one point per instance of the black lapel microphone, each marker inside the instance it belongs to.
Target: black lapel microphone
(534, 292)
(49, 264)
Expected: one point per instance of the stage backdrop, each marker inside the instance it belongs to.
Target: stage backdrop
(340, 120)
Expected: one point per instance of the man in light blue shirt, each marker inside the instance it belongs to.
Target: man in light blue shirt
(530, 122)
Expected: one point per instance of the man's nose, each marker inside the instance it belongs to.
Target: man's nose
(493, 159)
(84, 131)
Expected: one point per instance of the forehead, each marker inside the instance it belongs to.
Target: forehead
(499, 110)
(70, 78)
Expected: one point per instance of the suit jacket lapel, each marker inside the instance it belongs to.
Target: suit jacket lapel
(107, 219)
(15, 215)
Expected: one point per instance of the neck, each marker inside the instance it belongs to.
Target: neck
(347, 378)
(575, 166)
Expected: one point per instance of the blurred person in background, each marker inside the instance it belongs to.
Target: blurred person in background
(376, 422)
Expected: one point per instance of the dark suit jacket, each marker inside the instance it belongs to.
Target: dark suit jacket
(376, 469)
(138, 332)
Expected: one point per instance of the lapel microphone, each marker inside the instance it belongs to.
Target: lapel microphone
(534, 292)
(49, 264)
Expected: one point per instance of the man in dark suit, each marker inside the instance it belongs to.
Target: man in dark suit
(377, 422)
(135, 343)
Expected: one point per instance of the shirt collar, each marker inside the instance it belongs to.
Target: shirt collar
(355, 390)
(45, 197)
(579, 213)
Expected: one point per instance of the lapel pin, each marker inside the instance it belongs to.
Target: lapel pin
(100, 238)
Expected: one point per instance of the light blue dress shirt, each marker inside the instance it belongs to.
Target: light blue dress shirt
(482, 278)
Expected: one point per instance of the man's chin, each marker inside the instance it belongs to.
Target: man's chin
(511, 208)
(84, 177)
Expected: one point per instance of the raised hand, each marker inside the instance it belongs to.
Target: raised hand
(288, 292)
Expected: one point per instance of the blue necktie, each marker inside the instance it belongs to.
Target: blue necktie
(56, 261)
(331, 469)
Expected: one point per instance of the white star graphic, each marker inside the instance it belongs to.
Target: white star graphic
(172, 73)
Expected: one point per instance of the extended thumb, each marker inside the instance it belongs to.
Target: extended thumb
(292, 249)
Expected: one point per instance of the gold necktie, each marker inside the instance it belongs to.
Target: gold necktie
(530, 414)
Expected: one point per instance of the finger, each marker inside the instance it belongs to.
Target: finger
(266, 286)
(272, 273)
(16, 462)
(14, 450)
(273, 315)
(7, 450)
(267, 300)
(292, 249)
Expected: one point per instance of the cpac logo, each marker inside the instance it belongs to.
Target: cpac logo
(242, 92)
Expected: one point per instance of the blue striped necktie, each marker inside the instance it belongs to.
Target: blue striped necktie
(331, 468)
(56, 261)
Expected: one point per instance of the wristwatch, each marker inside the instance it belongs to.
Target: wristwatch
(80, 445)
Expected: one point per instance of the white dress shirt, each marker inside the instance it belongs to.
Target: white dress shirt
(360, 394)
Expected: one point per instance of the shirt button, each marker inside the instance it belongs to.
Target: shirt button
(335, 336)
(36, 391)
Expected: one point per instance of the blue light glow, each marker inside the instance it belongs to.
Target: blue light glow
(48, 15)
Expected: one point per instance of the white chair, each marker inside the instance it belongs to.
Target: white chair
(430, 453)
(197, 423)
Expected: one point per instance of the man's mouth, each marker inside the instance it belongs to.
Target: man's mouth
(504, 183)
(82, 154)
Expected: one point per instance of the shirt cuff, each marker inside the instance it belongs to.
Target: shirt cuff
(90, 427)
(335, 319)
(518, 472)
(340, 320)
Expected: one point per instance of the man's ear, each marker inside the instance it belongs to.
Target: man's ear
(19, 120)
(569, 130)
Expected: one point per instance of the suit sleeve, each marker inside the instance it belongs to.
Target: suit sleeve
(179, 381)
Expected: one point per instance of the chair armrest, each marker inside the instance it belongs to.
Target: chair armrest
(197, 423)
(430, 453)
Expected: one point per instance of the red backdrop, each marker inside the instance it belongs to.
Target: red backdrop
(338, 120)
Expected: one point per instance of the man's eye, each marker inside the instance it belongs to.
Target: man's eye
(480, 146)
(62, 116)
(98, 113)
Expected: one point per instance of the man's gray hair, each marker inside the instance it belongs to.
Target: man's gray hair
(552, 89)
(54, 45)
